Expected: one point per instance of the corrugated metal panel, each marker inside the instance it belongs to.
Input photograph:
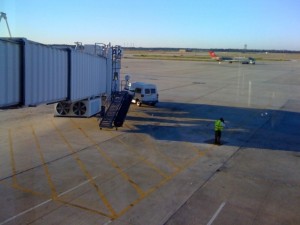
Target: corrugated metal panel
(9, 73)
(88, 75)
(46, 74)
(33, 73)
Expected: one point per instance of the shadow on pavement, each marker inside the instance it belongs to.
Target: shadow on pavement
(245, 127)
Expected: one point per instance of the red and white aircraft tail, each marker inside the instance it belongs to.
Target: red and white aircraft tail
(213, 55)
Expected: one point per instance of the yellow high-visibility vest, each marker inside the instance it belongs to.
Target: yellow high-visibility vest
(218, 125)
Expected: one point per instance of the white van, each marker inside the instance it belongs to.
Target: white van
(143, 93)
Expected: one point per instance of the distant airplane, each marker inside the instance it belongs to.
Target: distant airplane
(242, 60)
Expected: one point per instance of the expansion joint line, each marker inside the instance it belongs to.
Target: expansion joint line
(111, 161)
(83, 168)
(169, 161)
(163, 182)
(46, 169)
(15, 183)
(161, 173)
(12, 159)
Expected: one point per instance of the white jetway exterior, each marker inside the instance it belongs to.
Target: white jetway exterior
(45, 73)
(32, 74)
(88, 75)
(10, 66)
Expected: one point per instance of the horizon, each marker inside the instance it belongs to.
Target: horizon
(217, 49)
(229, 24)
(171, 48)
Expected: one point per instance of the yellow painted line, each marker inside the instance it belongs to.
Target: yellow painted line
(166, 158)
(58, 201)
(194, 148)
(199, 153)
(50, 182)
(111, 161)
(132, 204)
(120, 171)
(132, 149)
(160, 184)
(12, 158)
(130, 127)
(143, 195)
(86, 172)
(179, 169)
(190, 161)
(113, 133)
(26, 190)
(185, 166)
(15, 183)
(86, 209)
(23, 189)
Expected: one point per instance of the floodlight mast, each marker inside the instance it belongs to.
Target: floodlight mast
(3, 15)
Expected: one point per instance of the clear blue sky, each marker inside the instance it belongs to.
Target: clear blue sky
(261, 24)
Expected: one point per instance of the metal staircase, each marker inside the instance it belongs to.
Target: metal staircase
(117, 111)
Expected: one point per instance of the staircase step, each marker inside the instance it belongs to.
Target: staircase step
(117, 110)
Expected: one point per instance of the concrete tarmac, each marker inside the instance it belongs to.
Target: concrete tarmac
(162, 167)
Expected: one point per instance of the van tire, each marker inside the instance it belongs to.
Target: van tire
(138, 103)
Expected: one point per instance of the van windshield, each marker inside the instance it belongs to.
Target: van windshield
(153, 91)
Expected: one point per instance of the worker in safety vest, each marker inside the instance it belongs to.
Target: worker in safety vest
(219, 125)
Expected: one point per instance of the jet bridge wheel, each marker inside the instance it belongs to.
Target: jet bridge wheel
(79, 108)
(138, 103)
(63, 108)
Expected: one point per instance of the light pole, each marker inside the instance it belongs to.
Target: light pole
(3, 15)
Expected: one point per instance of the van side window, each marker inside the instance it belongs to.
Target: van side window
(138, 90)
(147, 91)
(153, 90)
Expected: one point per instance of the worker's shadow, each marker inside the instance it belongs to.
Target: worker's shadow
(246, 127)
(212, 141)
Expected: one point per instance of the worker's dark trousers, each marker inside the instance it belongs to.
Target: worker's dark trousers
(218, 137)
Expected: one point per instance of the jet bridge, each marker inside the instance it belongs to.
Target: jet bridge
(72, 77)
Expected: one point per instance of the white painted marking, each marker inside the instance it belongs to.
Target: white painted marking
(45, 202)
(108, 222)
(24, 212)
(249, 93)
(216, 214)
(74, 188)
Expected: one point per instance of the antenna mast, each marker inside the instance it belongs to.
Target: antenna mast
(3, 15)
